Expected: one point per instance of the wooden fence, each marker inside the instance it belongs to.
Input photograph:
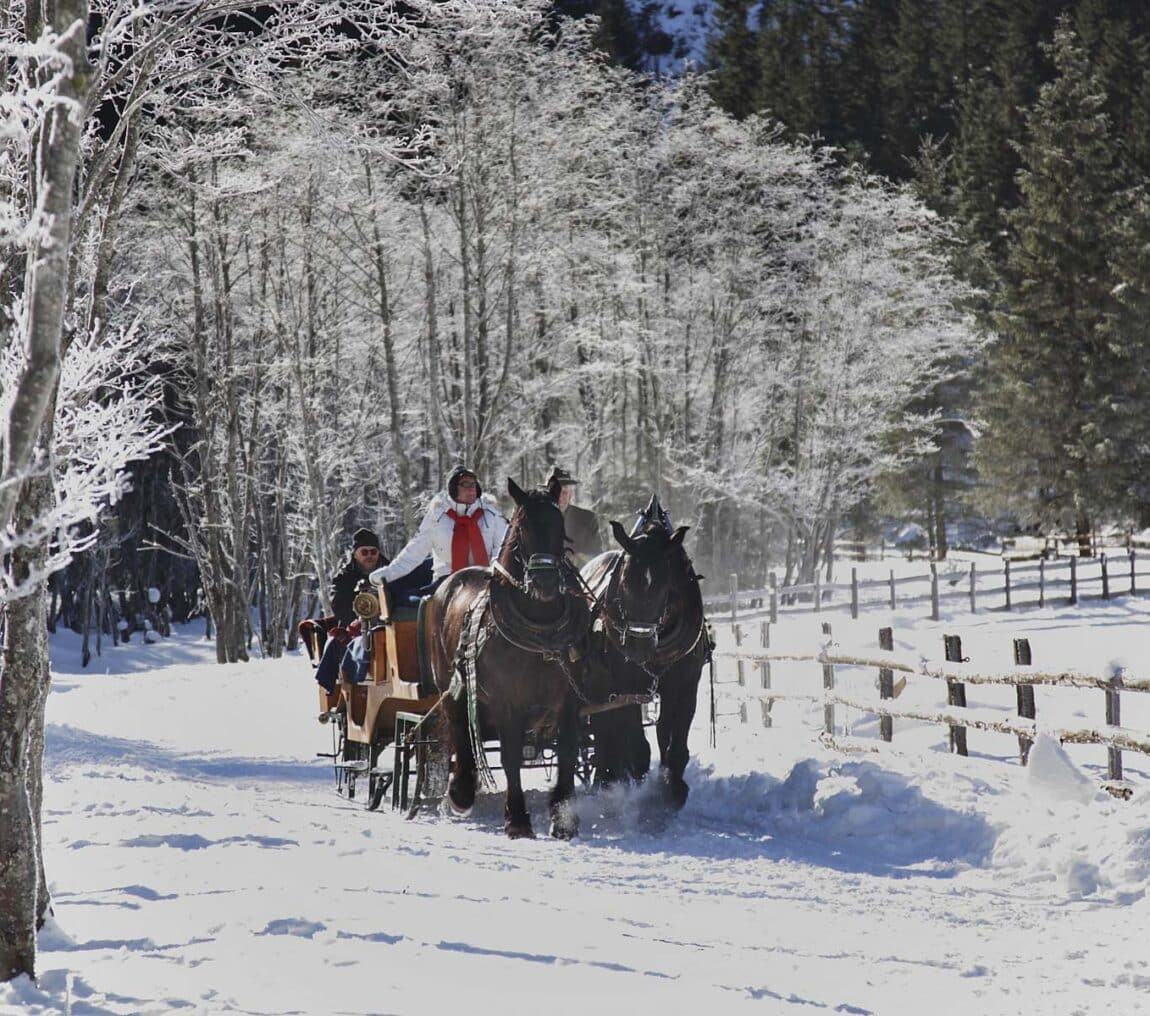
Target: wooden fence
(1003, 585)
(958, 716)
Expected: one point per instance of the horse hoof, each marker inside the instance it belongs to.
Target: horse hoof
(519, 831)
(564, 823)
(453, 810)
(459, 800)
(564, 830)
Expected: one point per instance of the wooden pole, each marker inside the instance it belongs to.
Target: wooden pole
(973, 584)
(1073, 581)
(1133, 590)
(955, 692)
(818, 595)
(734, 597)
(738, 630)
(1006, 573)
(855, 593)
(828, 684)
(1025, 694)
(773, 583)
(933, 591)
(1105, 577)
(1114, 719)
(892, 605)
(886, 683)
(1042, 582)
(765, 672)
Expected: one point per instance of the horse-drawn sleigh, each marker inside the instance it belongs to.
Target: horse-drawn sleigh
(529, 663)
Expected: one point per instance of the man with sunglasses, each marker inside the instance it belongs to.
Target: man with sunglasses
(365, 558)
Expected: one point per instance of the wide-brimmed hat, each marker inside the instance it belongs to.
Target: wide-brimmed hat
(559, 478)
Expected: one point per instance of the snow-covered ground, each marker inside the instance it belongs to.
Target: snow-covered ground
(201, 862)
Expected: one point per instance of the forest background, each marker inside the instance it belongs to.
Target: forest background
(270, 271)
(883, 260)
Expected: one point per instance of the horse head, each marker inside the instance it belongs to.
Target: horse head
(532, 553)
(639, 590)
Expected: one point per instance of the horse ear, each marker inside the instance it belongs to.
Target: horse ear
(516, 492)
(653, 507)
(677, 536)
(622, 538)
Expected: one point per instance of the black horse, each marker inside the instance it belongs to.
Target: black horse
(505, 647)
(649, 638)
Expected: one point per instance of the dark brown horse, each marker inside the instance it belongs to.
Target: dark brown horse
(505, 647)
(650, 638)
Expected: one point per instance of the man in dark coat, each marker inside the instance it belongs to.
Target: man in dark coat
(365, 558)
(582, 525)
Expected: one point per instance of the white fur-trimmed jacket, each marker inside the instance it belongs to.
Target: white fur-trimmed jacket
(434, 537)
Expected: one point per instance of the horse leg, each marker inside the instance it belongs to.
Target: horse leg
(638, 749)
(674, 723)
(461, 783)
(516, 820)
(608, 748)
(564, 821)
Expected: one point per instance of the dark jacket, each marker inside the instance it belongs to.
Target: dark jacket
(582, 528)
(343, 588)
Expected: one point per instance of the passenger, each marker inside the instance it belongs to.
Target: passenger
(365, 558)
(462, 527)
(582, 525)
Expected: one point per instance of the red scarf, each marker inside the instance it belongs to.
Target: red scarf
(466, 541)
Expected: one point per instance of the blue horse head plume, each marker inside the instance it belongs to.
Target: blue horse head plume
(654, 512)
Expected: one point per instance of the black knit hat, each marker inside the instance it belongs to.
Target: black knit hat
(457, 474)
(364, 538)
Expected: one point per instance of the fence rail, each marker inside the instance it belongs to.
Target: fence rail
(958, 716)
(1005, 586)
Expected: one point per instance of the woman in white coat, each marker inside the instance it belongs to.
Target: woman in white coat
(462, 527)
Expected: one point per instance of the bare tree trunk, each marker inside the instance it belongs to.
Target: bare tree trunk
(24, 678)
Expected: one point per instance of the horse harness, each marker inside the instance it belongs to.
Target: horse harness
(618, 633)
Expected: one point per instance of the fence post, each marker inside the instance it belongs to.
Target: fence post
(1114, 719)
(1042, 582)
(818, 594)
(955, 692)
(738, 631)
(973, 581)
(765, 672)
(734, 597)
(933, 591)
(1131, 553)
(1105, 577)
(886, 683)
(828, 684)
(773, 583)
(1006, 574)
(1073, 581)
(1025, 695)
(855, 593)
(892, 606)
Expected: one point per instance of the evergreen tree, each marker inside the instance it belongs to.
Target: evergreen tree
(1055, 426)
(732, 58)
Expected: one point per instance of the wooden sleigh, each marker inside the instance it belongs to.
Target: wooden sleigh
(366, 716)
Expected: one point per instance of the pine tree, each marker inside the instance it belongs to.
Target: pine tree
(1052, 442)
(732, 58)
